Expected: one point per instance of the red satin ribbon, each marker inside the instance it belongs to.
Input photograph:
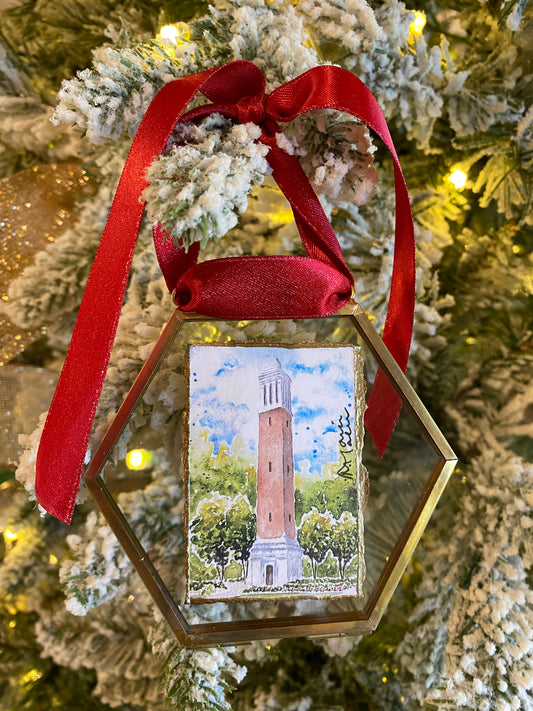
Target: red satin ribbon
(243, 287)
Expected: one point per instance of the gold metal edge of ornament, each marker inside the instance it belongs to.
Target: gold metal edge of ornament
(356, 622)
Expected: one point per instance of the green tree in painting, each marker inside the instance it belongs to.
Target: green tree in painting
(343, 541)
(230, 472)
(314, 536)
(208, 532)
(223, 529)
(334, 494)
(241, 529)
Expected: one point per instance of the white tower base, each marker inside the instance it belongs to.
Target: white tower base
(274, 562)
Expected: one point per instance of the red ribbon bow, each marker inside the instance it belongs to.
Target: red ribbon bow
(242, 288)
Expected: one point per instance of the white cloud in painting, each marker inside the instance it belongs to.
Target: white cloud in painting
(224, 387)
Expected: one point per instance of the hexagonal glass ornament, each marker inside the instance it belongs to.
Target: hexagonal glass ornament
(394, 497)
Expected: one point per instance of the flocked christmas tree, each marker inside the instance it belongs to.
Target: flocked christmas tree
(77, 629)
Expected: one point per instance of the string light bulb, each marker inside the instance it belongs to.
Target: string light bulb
(31, 677)
(175, 34)
(137, 459)
(417, 25)
(458, 179)
(10, 535)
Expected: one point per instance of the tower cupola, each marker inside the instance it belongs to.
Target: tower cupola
(275, 386)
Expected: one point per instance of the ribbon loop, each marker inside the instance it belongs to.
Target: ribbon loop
(274, 287)
(231, 82)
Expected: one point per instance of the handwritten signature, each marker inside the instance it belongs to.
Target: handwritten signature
(345, 445)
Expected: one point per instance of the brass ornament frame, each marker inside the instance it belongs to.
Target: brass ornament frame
(354, 622)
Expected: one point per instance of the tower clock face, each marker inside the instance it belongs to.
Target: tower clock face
(276, 487)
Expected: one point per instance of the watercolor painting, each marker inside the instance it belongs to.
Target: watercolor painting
(276, 487)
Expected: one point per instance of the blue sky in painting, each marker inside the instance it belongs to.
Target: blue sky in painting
(224, 394)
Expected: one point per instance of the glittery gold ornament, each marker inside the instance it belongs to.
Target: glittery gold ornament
(25, 392)
(36, 206)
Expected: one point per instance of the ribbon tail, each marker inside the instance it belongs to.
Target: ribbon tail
(336, 88)
(383, 408)
(67, 429)
(173, 259)
(318, 237)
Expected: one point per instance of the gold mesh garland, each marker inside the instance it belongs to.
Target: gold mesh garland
(25, 392)
(36, 206)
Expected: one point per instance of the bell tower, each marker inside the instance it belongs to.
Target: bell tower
(275, 557)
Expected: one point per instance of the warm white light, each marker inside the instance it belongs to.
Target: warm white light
(175, 33)
(417, 25)
(169, 32)
(458, 178)
(138, 459)
(31, 677)
(10, 535)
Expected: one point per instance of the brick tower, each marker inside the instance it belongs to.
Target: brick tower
(275, 557)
